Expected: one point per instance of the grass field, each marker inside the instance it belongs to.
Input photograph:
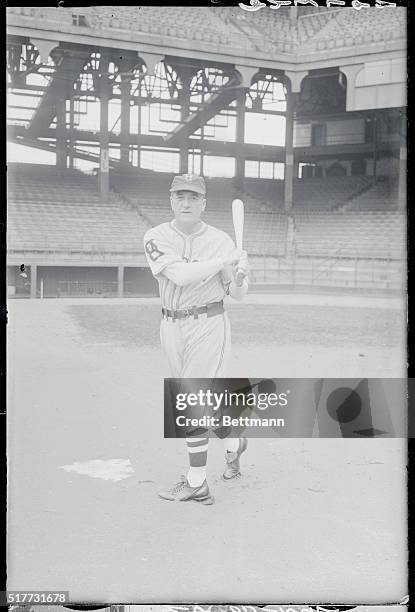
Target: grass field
(311, 520)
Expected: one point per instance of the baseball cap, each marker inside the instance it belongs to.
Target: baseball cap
(189, 182)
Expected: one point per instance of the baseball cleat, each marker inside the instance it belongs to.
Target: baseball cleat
(232, 469)
(182, 492)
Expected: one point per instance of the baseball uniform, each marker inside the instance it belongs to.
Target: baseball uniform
(195, 330)
(195, 347)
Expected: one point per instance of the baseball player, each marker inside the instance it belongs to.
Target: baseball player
(195, 265)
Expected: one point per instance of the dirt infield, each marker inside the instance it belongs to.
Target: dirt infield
(312, 520)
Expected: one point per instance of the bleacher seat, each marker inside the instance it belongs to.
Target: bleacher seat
(383, 195)
(308, 194)
(265, 232)
(266, 30)
(350, 235)
(63, 212)
(171, 21)
(350, 27)
(327, 193)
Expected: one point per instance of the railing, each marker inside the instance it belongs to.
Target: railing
(345, 139)
(95, 289)
(332, 139)
(331, 272)
(267, 274)
(87, 289)
(326, 266)
(61, 254)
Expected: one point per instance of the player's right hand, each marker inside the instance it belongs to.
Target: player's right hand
(233, 258)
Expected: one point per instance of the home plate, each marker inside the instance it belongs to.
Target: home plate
(110, 469)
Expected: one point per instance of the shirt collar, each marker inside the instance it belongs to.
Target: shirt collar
(199, 231)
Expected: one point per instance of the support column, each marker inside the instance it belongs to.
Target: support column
(125, 120)
(128, 64)
(68, 67)
(402, 179)
(139, 133)
(289, 151)
(403, 153)
(294, 81)
(120, 281)
(375, 146)
(61, 131)
(104, 94)
(351, 72)
(150, 60)
(240, 139)
(186, 79)
(33, 281)
(71, 148)
(185, 73)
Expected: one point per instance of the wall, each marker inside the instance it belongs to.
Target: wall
(338, 132)
(380, 84)
(137, 281)
(53, 275)
(140, 281)
(387, 166)
(349, 131)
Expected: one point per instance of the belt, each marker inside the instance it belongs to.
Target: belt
(211, 310)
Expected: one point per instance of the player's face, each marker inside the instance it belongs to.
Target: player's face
(187, 207)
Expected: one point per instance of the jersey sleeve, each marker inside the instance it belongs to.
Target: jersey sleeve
(159, 251)
(228, 247)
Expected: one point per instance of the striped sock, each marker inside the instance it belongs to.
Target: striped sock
(197, 449)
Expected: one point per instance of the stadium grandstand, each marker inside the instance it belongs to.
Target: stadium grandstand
(300, 112)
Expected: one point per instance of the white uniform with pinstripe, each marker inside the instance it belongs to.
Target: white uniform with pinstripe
(194, 347)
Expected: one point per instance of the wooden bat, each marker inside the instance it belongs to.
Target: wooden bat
(238, 226)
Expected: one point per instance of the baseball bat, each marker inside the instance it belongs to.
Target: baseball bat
(238, 226)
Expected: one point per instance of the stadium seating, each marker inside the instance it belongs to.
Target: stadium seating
(62, 212)
(269, 32)
(275, 31)
(266, 30)
(351, 27)
(265, 233)
(382, 196)
(309, 194)
(350, 235)
(268, 193)
(51, 212)
(194, 23)
(327, 193)
(310, 24)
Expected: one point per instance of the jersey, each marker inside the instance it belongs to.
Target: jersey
(166, 244)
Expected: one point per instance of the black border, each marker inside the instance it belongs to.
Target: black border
(3, 322)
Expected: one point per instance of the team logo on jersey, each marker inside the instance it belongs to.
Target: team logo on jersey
(152, 250)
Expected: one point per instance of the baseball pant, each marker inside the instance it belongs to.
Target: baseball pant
(197, 348)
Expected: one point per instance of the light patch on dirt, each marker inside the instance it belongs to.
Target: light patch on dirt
(111, 469)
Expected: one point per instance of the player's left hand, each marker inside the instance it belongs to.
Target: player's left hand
(241, 268)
